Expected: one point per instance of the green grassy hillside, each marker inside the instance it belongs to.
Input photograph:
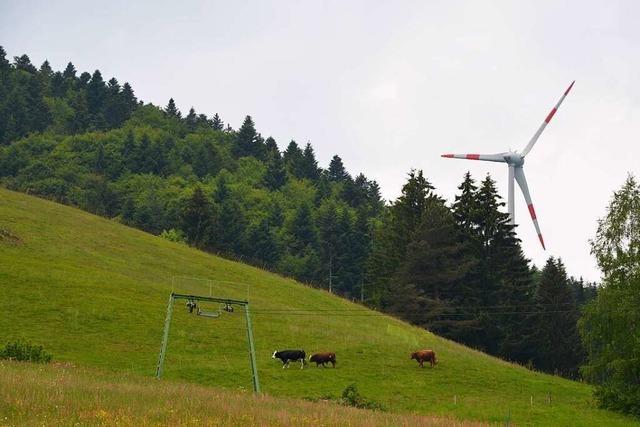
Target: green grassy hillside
(94, 293)
(63, 395)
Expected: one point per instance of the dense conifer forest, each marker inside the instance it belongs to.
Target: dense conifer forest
(457, 269)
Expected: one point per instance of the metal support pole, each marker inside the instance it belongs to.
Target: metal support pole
(510, 201)
(252, 351)
(165, 337)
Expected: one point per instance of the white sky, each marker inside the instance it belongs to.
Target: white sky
(388, 86)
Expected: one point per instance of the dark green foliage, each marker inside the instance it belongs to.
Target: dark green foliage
(217, 123)
(276, 175)
(337, 171)
(558, 342)
(609, 325)
(25, 352)
(308, 164)
(352, 397)
(33, 100)
(197, 219)
(172, 110)
(248, 141)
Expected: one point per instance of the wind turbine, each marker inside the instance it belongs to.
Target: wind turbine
(515, 161)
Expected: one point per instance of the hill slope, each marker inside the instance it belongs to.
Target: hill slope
(94, 292)
(63, 395)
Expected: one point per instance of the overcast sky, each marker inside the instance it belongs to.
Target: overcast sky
(388, 86)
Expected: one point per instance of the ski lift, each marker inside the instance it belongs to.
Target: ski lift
(193, 305)
(207, 313)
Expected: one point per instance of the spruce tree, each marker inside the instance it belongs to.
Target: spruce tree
(128, 98)
(558, 342)
(263, 245)
(69, 72)
(217, 122)
(45, 69)
(172, 110)
(435, 265)
(197, 218)
(292, 157)
(328, 241)
(4, 63)
(23, 63)
(309, 164)
(191, 120)
(337, 171)
(276, 175)
(248, 141)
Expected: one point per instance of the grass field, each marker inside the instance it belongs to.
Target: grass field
(63, 395)
(94, 293)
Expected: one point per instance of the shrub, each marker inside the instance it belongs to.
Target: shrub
(173, 235)
(351, 397)
(26, 352)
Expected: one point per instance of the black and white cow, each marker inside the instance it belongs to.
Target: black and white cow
(287, 356)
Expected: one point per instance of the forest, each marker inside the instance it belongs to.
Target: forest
(456, 269)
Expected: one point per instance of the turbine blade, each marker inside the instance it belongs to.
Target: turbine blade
(485, 157)
(546, 122)
(522, 182)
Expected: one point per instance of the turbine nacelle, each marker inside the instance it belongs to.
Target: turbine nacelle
(515, 161)
(513, 158)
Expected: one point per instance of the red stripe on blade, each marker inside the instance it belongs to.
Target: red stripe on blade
(531, 211)
(570, 86)
(473, 156)
(548, 119)
(541, 241)
(447, 155)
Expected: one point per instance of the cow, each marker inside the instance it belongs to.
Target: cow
(422, 356)
(287, 356)
(323, 358)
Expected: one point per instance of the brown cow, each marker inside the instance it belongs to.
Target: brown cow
(322, 358)
(424, 355)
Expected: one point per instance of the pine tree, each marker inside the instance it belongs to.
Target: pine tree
(172, 110)
(276, 175)
(191, 120)
(337, 171)
(83, 80)
(292, 157)
(301, 232)
(217, 122)
(197, 218)
(128, 98)
(264, 246)
(435, 265)
(309, 164)
(24, 63)
(560, 350)
(248, 141)
(392, 237)
(45, 69)
(328, 241)
(230, 227)
(69, 72)
(96, 95)
(4, 63)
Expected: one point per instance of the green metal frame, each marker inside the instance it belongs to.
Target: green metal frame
(167, 326)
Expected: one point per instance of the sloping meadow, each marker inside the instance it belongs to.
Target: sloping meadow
(95, 294)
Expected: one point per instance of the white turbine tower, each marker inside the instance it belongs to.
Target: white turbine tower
(515, 161)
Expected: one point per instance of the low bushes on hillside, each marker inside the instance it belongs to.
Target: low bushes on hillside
(25, 352)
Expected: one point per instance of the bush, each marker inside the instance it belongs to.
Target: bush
(173, 235)
(25, 352)
(351, 397)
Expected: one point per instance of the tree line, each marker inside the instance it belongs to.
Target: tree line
(457, 269)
